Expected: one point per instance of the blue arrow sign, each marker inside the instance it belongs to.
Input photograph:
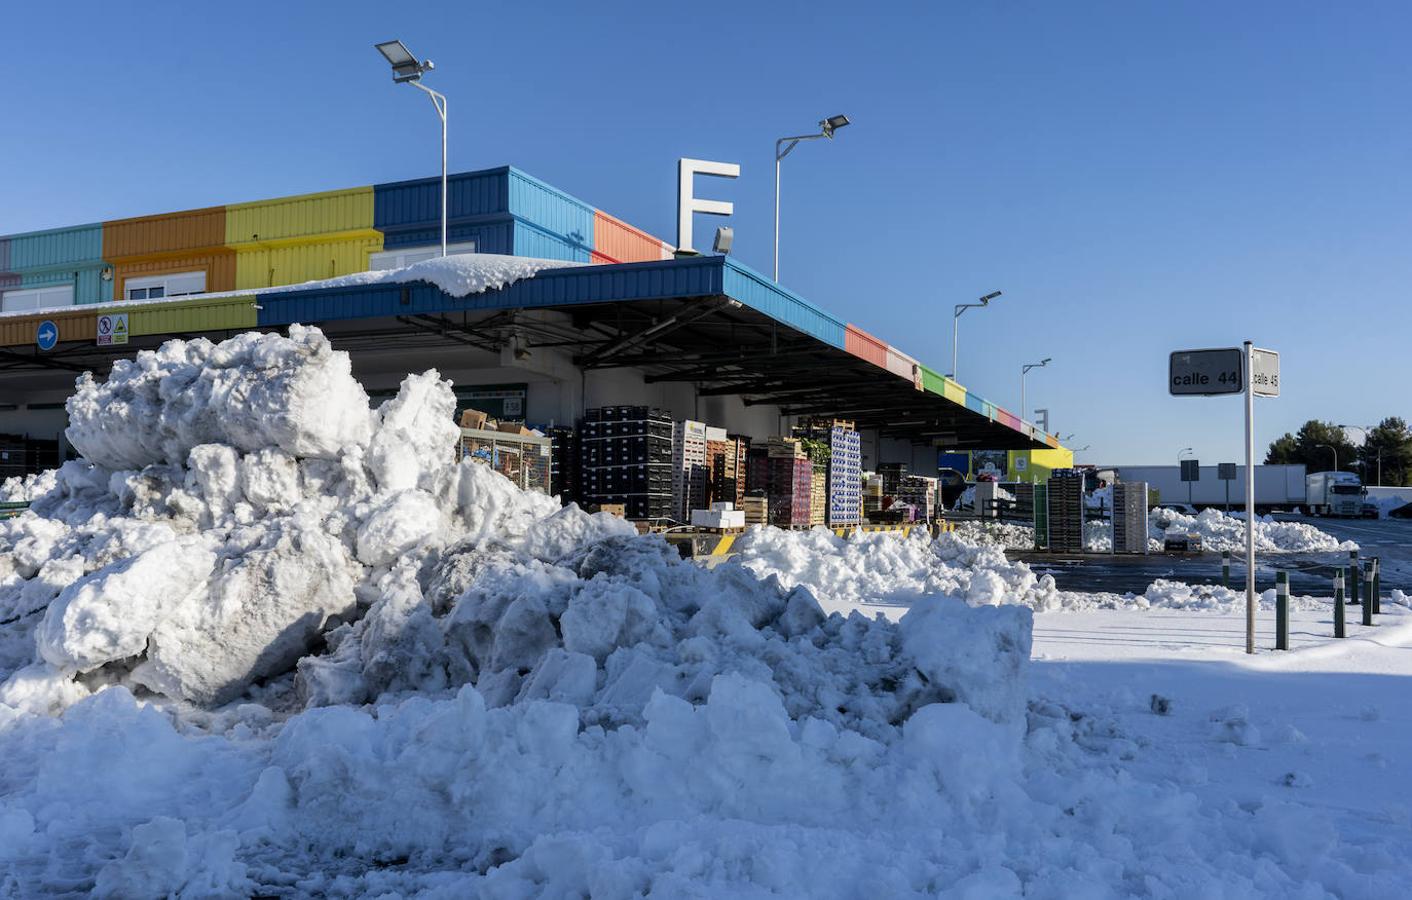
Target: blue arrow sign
(46, 335)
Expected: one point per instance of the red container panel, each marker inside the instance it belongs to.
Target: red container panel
(865, 346)
(618, 241)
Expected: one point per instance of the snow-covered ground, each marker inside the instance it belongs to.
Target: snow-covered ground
(264, 639)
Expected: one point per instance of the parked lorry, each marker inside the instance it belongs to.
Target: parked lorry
(1333, 494)
(1281, 487)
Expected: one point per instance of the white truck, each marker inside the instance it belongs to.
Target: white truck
(1334, 494)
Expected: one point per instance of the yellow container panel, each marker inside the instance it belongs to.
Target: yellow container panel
(1036, 465)
(302, 216)
(953, 392)
(198, 315)
(262, 267)
(20, 331)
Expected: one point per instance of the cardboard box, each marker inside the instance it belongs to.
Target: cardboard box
(472, 418)
(717, 518)
(514, 428)
(613, 509)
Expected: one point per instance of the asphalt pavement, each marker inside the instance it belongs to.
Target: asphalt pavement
(1310, 573)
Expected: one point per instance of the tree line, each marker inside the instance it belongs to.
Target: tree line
(1317, 444)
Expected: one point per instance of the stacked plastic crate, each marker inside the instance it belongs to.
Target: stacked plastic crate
(919, 492)
(690, 475)
(725, 461)
(845, 475)
(791, 478)
(564, 474)
(625, 456)
(1065, 511)
(1130, 517)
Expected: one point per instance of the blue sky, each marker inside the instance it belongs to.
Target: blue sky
(1137, 177)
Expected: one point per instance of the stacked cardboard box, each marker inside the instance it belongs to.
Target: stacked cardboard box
(919, 492)
(756, 509)
(791, 485)
(819, 497)
(625, 457)
(690, 475)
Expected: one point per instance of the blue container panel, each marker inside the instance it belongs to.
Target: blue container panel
(975, 404)
(494, 237)
(539, 244)
(57, 247)
(758, 292)
(558, 287)
(404, 203)
(89, 286)
(551, 209)
(961, 462)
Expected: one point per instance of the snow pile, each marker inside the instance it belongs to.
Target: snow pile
(967, 498)
(1222, 532)
(1010, 535)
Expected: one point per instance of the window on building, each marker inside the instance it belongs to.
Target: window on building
(154, 287)
(23, 299)
(405, 256)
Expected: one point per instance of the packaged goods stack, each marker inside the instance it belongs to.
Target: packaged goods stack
(834, 444)
(564, 476)
(757, 471)
(1066, 511)
(690, 475)
(625, 457)
(725, 459)
(919, 492)
(819, 496)
(872, 497)
(892, 475)
(1130, 517)
(791, 483)
(756, 508)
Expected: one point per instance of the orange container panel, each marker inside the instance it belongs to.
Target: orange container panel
(865, 346)
(19, 331)
(620, 242)
(182, 232)
(218, 264)
(599, 259)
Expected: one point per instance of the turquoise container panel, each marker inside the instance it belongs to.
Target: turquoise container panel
(56, 247)
(4, 254)
(551, 209)
(535, 242)
(759, 292)
(89, 286)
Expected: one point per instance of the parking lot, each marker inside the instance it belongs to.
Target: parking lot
(1310, 573)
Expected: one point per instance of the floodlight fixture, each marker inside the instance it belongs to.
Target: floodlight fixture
(725, 237)
(832, 124)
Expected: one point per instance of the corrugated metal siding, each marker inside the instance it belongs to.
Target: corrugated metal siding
(552, 210)
(598, 259)
(18, 331)
(954, 392)
(933, 382)
(899, 363)
(865, 346)
(534, 242)
(195, 229)
(89, 286)
(1009, 419)
(294, 263)
(620, 242)
(493, 237)
(758, 292)
(400, 205)
(976, 404)
(218, 264)
(557, 287)
(4, 254)
(302, 216)
(193, 315)
(56, 247)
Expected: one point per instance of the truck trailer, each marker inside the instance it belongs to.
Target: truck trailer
(1333, 494)
(1281, 487)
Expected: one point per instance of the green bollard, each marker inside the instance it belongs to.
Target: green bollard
(1354, 591)
(1377, 585)
(1225, 568)
(1281, 610)
(1367, 600)
(1340, 628)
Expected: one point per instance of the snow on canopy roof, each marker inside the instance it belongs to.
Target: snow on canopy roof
(459, 275)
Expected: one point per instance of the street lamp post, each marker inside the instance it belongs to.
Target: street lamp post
(956, 314)
(1333, 450)
(782, 148)
(1023, 370)
(406, 69)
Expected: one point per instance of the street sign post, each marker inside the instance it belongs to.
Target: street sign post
(46, 336)
(1191, 473)
(1205, 373)
(1232, 370)
(1226, 472)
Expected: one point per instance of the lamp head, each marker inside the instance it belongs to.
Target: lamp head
(985, 301)
(404, 65)
(832, 124)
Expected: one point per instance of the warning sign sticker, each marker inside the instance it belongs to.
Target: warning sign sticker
(112, 329)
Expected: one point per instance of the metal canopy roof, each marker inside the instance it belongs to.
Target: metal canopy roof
(708, 320)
